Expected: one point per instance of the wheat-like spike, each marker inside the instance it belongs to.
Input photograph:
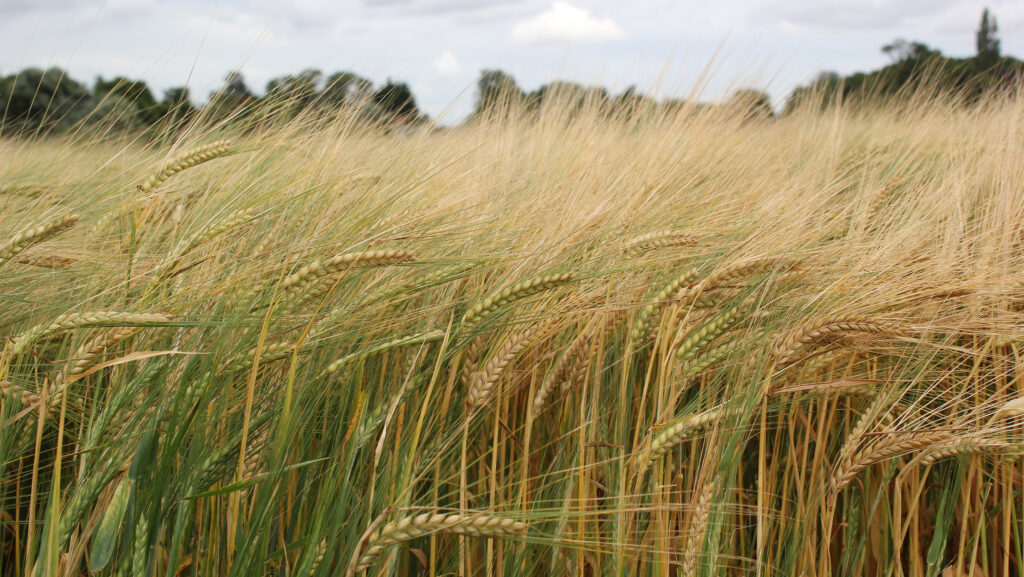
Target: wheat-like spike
(316, 270)
(269, 353)
(679, 431)
(482, 384)
(881, 451)
(641, 325)
(874, 411)
(189, 159)
(46, 261)
(569, 370)
(519, 291)
(318, 556)
(421, 338)
(23, 240)
(405, 529)
(472, 360)
(787, 348)
(970, 443)
(726, 276)
(19, 395)
(85, 354)
(880, 199)
(84, 495)
(233, 220)
(698, 525)
(83, 359)
(1012, 408)
(662, 239)
(140, 553)
(695, 365)
(69, 321)
(707, 333)
(254, 455)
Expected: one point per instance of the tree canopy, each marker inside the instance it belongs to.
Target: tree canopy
(38, 101)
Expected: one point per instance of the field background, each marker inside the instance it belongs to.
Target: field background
(687, 344)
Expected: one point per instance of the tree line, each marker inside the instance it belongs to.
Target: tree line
(35, 100)
(915, 68)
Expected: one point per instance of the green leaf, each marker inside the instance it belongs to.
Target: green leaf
(104, 541)
(249, 482)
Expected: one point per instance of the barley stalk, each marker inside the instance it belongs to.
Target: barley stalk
(683, 429)
(47, 261)
(727, 276)
(570, 369)
(19, 395)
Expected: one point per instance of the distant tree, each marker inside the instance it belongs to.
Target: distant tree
(234, 85)
(298, 90)
(632, 103)
(987, 38)
(900, 50)
(497, 91)
(397, 102)
(751, 103)
(177, 104)
(133, 92)
(345, 89)
(232, 97)
(36, 99)
(559, 95)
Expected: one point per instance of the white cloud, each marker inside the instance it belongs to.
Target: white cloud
(447, 64)
(564, 22)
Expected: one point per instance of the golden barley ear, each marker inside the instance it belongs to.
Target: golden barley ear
(786, 348)
(661, 239)
(468, 523)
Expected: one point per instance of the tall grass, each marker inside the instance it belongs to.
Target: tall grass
(697, 345)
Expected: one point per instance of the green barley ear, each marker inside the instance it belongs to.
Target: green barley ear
(88, 319)
(23, 240)
(641, 326)
(699, 338)
(486, 307)
(232, 221)
(304, 281)
(679, 431)
(417, 339)
(189, 159)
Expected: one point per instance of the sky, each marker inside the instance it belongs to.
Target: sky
(667, 48)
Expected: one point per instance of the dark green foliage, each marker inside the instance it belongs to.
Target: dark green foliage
(397, 102)
(918, 68)
(497, 91)
(38, 100)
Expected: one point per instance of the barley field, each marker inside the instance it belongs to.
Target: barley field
(693, 344)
